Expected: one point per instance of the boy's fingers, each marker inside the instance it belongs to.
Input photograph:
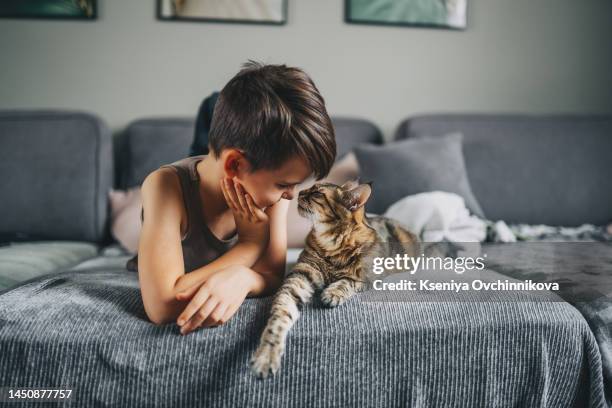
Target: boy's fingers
(208, 322)
(248, 206)
(240, 193)
(200, 297)
(216, 315)
(252, 215)
(187, 293)
(242, 199)
(251, 205)
(231, 189)
(202, 313)
(225, 194)
(231, 193)
(229, 312)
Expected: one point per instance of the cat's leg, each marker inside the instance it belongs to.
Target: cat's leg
(297, 290)
(339, 291)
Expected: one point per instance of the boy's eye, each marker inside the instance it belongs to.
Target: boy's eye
(285, 186)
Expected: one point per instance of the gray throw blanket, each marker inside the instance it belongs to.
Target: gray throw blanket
(583, 270)
(86, 330)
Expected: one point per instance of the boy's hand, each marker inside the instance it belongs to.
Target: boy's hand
(252, 223)
(215, 301)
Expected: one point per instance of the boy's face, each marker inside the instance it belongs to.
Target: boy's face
(267, 187)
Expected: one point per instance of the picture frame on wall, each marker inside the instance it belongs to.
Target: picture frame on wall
(49, 9)
(272, 12)
(445, 14)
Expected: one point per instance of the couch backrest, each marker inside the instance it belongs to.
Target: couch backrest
(146, 144)
(554, 169)
(56, 169)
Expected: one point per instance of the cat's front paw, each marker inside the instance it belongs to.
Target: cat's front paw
(266, 360)
(332, 297)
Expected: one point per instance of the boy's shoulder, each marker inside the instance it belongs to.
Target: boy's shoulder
(167, 174)
(162, 189)
(163, 178)
(162, 184)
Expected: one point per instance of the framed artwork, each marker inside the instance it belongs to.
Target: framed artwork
(53, 9)
(450, 14)
(224, 11)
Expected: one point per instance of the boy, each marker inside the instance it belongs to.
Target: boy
(215, 225)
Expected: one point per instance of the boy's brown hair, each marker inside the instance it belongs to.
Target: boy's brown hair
(271, 113)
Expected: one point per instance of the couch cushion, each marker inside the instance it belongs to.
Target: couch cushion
(111, 256)
(400, 169)
(552, 169)
(20, 262)
(56, 169)
(352, 132)
(148, 143)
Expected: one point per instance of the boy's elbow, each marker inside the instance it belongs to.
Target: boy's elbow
(158, 317)
(162, 313)
(163, 317)
(156, 320)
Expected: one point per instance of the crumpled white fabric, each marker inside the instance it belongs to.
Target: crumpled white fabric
(502, 232)
(438, 216)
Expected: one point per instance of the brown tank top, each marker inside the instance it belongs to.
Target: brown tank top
(200, 245)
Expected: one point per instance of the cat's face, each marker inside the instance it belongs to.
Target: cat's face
(330, 203)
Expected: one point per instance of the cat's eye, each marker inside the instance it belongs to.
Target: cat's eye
(317, 194)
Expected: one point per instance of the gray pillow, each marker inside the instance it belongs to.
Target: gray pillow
(414, 166)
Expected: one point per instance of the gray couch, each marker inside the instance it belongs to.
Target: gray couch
(58, 166)
(533, 169)
(82, 323)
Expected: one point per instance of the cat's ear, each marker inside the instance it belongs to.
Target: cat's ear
(350, 184)
(356, 198)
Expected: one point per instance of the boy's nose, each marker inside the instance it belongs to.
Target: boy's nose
(288, 195)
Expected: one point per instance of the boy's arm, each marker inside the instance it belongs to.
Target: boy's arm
(271, 265)
(251, 242)
(243, 253)
(239, 282)
(267, 265)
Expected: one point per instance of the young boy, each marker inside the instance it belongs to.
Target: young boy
(214, 226)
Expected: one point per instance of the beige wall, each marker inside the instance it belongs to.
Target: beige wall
(516, 56)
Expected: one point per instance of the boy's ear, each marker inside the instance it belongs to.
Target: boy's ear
(235, 161)
(356, 198)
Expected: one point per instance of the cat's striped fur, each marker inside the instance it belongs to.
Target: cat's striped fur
(334, 260)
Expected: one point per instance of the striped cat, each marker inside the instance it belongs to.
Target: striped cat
(338, 249)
